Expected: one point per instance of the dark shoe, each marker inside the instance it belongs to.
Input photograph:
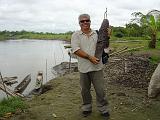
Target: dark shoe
(106, 115)
(86, 113)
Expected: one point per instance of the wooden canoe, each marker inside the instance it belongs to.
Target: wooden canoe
(22, 86)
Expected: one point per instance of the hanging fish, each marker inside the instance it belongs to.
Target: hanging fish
(103, 38)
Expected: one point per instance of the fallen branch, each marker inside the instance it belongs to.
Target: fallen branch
(7, 79)
(125, 50)
(118, 51)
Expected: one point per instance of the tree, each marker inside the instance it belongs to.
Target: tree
(119, 31)
(134, 30)
(150, 21)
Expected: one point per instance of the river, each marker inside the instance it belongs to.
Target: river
(22, 57)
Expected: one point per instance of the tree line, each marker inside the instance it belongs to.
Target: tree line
(4, 35)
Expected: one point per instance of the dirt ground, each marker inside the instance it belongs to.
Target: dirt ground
(127, 79)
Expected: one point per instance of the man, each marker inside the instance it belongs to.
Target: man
(83, 44)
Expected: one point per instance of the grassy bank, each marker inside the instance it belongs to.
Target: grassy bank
(154, 53)
(10, 106)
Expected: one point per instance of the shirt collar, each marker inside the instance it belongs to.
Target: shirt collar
(92, 32)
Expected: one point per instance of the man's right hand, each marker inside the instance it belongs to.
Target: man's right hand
(93, 59)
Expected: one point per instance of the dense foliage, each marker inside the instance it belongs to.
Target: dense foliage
(129, 32)
(151, 24)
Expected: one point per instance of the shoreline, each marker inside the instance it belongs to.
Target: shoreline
(36, 39)
(63, 100)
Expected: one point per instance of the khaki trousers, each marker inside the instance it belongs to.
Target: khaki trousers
(97, 79)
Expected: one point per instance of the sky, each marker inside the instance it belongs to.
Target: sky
(59, 16)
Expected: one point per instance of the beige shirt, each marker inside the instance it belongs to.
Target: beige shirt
(81, 41)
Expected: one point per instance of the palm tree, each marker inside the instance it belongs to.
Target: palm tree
(150, 21)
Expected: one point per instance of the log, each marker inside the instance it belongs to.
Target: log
(11, 82)
(7, 79)
(9, 91)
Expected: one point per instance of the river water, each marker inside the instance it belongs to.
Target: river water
(22, 57)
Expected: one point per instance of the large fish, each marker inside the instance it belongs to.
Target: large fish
(103, 37)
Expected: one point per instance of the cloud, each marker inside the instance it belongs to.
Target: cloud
(61, 15)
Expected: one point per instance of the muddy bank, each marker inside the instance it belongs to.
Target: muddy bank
(130, 70)
(125, 88)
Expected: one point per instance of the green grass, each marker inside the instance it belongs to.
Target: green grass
(132, 44)
(128, 38)
(155, 59)
(11, 105)
(154, 53)
(118, 45)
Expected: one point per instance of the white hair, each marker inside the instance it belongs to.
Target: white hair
(83, 15)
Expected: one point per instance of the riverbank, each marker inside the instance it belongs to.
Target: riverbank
(127, 96)
(7, 35)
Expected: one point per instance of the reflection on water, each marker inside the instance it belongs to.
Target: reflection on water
(22, 57)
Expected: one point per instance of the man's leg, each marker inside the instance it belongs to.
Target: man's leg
(85, 84)
(99, 85)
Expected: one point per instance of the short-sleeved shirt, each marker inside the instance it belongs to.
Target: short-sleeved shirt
(87, 44)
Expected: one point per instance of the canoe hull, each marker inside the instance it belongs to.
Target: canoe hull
(22, 86)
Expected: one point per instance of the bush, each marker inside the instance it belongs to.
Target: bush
(119, 35)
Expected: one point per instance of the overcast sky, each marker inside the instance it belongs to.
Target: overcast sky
(62, 15)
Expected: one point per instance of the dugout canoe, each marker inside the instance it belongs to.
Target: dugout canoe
(22, 86)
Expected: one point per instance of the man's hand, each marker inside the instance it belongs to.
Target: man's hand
(93, 59)
(109, 31)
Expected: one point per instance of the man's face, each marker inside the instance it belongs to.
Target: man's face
(84, 23)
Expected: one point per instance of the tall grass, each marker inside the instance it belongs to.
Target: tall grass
(11, 105)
